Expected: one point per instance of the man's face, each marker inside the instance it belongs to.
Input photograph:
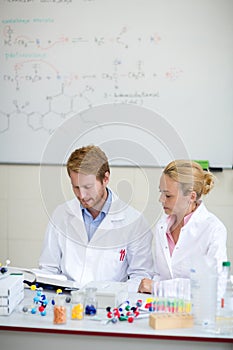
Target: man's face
(90, 192)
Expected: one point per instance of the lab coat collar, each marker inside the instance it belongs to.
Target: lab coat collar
(115, 213)
(200, 213)
(197, 215)
(113, 219)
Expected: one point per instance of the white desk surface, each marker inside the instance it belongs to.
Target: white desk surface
(28, 328)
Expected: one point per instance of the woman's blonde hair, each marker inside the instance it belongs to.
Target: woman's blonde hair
(190, 176)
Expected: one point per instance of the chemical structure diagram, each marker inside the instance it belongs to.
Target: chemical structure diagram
(73, 93)
(67, 102)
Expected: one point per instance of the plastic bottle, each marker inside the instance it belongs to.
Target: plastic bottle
(222, 280)
(203, 280)
(224, 317)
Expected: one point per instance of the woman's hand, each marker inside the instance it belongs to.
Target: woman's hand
(146, 286)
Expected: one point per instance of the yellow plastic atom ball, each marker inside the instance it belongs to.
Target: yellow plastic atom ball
(149, 300)
(33, 287)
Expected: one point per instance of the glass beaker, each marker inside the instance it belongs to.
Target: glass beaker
(90, 301)
(77, 305)
(59, 310)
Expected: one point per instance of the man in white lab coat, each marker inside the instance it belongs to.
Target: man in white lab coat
(96, 236)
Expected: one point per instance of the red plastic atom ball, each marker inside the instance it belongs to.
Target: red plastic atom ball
(130, 319)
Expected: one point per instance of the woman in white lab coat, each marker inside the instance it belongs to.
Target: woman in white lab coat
(187, 232)
(96, 236)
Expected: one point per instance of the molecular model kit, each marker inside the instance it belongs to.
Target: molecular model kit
(161, 310)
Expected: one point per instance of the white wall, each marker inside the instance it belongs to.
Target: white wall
(59, 59)
(25, 203)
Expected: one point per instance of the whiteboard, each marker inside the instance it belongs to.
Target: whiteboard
(147, 80)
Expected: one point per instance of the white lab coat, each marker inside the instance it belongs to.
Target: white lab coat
(119, 249)
(203, 235)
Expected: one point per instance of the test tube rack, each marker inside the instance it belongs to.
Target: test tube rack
(168, 320)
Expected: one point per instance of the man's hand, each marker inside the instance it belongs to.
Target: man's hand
(146, 286)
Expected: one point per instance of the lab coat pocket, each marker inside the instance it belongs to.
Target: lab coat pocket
(113, 264)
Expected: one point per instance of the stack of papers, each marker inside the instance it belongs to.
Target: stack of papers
(45, 280)
(11, 292)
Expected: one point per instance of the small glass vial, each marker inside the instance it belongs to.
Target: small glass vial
(59, 310)
(90, 301)
(77, 305)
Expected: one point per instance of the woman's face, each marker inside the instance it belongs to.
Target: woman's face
(172, 198)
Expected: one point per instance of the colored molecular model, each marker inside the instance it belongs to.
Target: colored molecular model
(40, 302)
(125, 312)
(4, 269)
